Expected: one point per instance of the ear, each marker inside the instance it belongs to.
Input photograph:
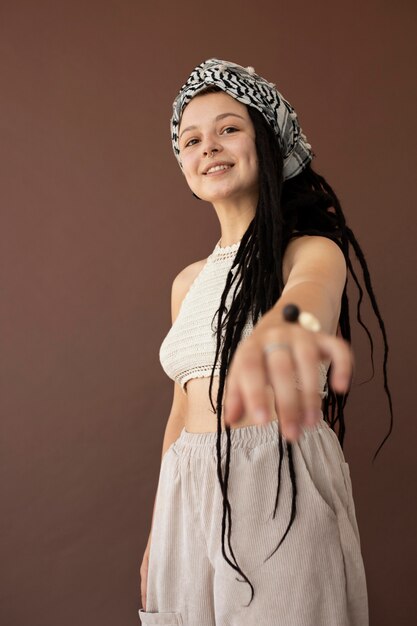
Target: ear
(182, 169)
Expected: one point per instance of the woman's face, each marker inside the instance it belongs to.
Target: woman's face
(216, 129)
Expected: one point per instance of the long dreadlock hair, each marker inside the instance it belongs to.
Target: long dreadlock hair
(302, 205)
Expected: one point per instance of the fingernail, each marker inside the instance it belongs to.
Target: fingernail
(261, 415)
(292, 431)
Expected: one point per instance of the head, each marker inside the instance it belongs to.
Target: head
(248, 88)
(217, 130)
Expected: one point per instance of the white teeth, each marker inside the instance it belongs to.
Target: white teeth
(217, 168)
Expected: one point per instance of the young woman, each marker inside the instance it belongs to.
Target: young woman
(254, 520)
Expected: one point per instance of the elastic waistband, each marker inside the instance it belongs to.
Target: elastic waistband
(238, 436)
(246, 436)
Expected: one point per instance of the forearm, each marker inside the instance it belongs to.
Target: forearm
(309, 296)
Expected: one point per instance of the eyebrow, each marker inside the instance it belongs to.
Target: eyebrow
(219, 117)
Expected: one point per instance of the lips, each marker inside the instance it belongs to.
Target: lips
(215, 164)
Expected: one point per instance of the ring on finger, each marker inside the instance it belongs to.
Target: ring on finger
(276, 345)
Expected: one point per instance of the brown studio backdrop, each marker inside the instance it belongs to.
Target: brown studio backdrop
(96, 222)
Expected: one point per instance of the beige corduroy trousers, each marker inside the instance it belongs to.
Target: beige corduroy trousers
(315, 578)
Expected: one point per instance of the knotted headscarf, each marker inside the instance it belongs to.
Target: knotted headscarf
(243, 84)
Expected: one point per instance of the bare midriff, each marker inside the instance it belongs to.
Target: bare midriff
(200, 417)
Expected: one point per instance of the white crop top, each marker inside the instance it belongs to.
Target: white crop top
(189, 348)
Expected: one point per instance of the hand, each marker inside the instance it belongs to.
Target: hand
(251, 370)
(144, 576)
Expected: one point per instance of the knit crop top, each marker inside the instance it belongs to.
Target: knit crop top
(188, 350)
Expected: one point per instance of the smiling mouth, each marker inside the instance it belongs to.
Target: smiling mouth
(218, 168)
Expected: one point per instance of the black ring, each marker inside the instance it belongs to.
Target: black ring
(290, 312)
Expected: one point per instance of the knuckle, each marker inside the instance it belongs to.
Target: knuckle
(308, 359)
(288, 405)
(231, 393)
(257, 399)
(345, 363)
(291, 420)
(280, 366)
(253, 357)
(290, 413)
(312, 400)
(307, 349)
(271, 335)
(247, 360)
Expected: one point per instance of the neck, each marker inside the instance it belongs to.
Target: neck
(234, 220)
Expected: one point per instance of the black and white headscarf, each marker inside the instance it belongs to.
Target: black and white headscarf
(245, 85)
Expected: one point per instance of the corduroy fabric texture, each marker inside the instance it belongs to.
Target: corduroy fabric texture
(315, 578)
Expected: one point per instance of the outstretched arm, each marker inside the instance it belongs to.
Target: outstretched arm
(314, 274)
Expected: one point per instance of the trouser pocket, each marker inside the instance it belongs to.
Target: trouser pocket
(160, 619)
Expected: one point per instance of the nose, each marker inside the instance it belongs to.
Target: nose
(210, 146)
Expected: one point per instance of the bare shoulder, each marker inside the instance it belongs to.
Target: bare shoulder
(314, 255)
(181, 284)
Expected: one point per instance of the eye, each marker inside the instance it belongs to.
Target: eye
(229, 128)
(189, 143)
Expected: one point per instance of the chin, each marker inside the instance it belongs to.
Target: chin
(220, 194)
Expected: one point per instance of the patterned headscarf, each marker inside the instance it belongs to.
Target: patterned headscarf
(245, 85)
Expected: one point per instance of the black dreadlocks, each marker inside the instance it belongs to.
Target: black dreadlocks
(303, 205)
